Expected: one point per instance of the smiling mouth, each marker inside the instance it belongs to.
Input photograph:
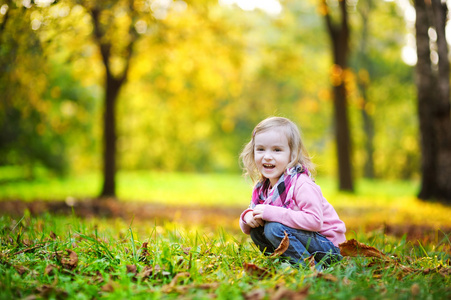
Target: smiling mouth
(269, 166)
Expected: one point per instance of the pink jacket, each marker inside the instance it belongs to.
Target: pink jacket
(312, 212)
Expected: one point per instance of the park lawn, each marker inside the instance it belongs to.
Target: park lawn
(375, 203)
(52, 256)
(72, 258)
(176, 188)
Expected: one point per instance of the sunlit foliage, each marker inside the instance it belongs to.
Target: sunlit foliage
(202, 75)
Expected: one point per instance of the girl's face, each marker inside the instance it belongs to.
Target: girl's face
(271, 153)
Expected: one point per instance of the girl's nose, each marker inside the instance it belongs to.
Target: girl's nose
(267, 156)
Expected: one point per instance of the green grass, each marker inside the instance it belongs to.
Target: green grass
(189, 263)
(379, 201)
(179, 188)
(170, 188)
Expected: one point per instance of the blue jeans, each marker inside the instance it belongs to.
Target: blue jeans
(303, 244)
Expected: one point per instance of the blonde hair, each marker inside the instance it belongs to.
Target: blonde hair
(299, 154)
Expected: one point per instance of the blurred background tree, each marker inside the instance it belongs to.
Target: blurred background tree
(432, 76)
(337, 24)
(202, 75)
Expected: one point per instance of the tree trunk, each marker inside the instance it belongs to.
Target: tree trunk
(109, 137)
(363, 81)
(432, 82)
(113, 85)
(339, 35)
(368, 128)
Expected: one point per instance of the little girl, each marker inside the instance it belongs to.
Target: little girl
(285, 198)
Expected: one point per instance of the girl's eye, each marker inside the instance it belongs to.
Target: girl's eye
(259, 149)
(277, 150)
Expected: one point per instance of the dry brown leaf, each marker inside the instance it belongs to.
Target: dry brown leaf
(310, 261)
(346, 281)
(70, 261)
(45, 290)
(354, 248)
(144, 252)
(131, 269)
(49, 269)
(255, 270)
(257, 294)
(146, 272)
(109, 287)
(328, 277)
(208, 286)
(30, 249)
(404, 269)
(98, 278)
(27, 242)
(21, 269)
(445, 272)
(177, 277)
(415, 289)
(173, 285)
(53, 235)
(283, 246)
(284, 293)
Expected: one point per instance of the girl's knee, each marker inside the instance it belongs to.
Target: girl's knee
(274, 231)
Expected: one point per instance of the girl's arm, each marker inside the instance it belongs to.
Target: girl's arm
(245, 228)
(308, 213)
(248, 221)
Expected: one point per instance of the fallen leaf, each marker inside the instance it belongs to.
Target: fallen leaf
(70, 261)
(177, 277)
(284, 293)
(21, 269)
(149, 271)
(109, 287)
(49, 269)
(328, 277)
(255, 270)
(45, 289)
(173, 285)
(415, 289)
(30, 249)
(146, 272)
(53, 235)
(346, 281)
(208, 286)
(283, 246)
(310, 261)
(354, 248)
(445, 272)
(144, 252)
(98, 278)
(255, 295)
(131, 269)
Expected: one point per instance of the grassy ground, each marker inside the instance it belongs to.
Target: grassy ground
(51, 256)
(54, 257)
(380, 202)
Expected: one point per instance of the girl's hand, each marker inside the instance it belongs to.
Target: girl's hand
(258, 211)
(251, 221)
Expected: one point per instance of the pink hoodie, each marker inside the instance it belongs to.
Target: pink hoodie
(312, 212)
